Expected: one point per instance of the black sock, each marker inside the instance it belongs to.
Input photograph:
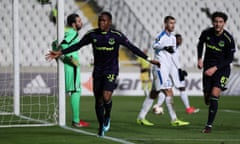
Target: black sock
(108, 108)
(100, 114)
(212, 109)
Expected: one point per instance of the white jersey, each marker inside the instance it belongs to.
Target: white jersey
(164, 40)
(167, 74)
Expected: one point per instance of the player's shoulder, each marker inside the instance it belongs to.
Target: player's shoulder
(91, 31)
(228, 36)
(69, 30)
(208, 30)
(116, 32)
(161, 34)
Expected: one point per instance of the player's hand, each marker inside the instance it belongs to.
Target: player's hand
(200, 64)
(169, 49)
(210, 71)
(182, 74)
(53, 55)
(155, 62)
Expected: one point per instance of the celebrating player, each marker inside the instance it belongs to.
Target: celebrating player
(220, 48)
(72, 67)
(105, 42)
(178, 77)
(164, 47)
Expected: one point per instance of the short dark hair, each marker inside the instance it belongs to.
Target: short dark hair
(178, 35)
(107, 14)
(219, 14)
(72, 19)
(167, 18)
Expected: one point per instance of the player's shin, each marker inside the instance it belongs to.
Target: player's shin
(99, 108)
(212, 109)
(171, 111)
(184, 98)
(146, 106)
(75, 104)
(161, 98)
(108, 108)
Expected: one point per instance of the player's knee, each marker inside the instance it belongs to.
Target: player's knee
(216, 91)
(107, 95)
(168, 92)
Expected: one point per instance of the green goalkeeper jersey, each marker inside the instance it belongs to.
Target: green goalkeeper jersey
(71, 60)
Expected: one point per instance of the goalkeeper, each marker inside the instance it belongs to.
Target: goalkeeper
(72, 67)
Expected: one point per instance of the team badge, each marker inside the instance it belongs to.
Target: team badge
(221, 43)
(111, 41)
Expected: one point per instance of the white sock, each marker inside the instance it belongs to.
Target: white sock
(161, 98)
(146, 106)
(146, 91)
(185, 99)
(171, 111)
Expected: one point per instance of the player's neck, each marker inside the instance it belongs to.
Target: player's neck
(218, 33)
(167, 31)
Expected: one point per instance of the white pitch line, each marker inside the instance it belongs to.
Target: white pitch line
(207, 140)
(93, 134)
(231, 111)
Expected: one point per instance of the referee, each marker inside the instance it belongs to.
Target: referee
(219, 50)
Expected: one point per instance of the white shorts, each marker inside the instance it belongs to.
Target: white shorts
(176, 78)
(161, 76)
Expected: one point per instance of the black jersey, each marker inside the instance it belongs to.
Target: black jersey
(105, 49)
(219, 49)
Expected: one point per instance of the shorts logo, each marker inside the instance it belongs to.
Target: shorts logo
(111, 77)
(111, 41)
(223, 81)
(94, 40)
(221, 43)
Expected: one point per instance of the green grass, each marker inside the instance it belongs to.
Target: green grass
(226, 128)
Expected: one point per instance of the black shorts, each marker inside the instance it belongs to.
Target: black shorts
(218, 79)
(104, 82)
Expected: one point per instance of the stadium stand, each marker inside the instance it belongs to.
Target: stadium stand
(142, 20)
(36, 32)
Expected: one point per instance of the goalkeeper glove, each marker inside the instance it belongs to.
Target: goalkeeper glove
(169, 49)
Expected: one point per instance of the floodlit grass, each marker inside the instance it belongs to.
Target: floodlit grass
(226, 129)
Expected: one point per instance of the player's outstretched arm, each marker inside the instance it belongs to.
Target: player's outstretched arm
(155, 62)
(53, 55)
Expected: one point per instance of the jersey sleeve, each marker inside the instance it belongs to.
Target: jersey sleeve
(69, 36)
(84, 41)
(201, 44)
(157, 45)
(124, 41)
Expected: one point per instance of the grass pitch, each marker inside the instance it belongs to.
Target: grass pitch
(124, 129)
